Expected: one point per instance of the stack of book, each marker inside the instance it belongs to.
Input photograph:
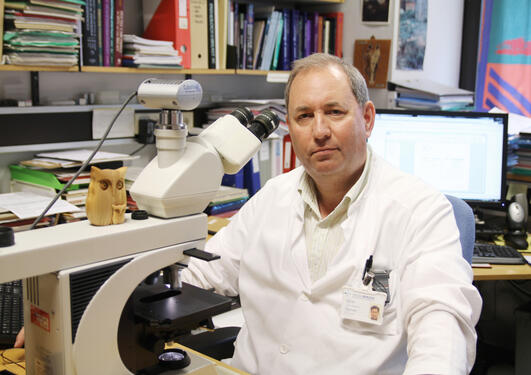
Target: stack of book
(48, 173)
(519, 157)
(103, 32)
(18, 210)
(430, 95)
(42, 32)
(145, 53)
(227, 199)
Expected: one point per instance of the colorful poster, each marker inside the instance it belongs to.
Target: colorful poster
(504, 57)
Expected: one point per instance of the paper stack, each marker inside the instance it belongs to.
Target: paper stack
(146, 53)
(42, 32)
(430, 95)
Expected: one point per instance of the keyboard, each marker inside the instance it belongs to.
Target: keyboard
(496, 254)
(11, 312)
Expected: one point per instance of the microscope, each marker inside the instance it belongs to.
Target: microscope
(105, 299)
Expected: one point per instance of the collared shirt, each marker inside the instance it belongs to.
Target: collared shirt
(324, 236)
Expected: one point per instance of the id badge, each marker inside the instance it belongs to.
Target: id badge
(363, 305)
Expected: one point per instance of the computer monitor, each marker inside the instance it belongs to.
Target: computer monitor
(459, 153)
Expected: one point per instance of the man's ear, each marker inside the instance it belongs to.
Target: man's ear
(369, 115)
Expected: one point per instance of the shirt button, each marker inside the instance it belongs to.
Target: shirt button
(284, 349)
(304, 298)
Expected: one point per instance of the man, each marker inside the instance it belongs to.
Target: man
(303, 251)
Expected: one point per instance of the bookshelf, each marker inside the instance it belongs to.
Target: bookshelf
(135, 7)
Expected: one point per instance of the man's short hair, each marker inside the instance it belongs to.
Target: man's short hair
(321, 60)
(375, 307)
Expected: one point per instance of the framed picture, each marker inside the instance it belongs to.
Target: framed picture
(371, 57)
(375, 12)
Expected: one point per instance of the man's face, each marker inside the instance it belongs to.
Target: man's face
(327, 126)
(374, 313)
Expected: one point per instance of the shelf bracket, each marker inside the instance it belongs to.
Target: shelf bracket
(34, 79)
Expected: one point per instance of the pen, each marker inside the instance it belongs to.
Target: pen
(368, 266)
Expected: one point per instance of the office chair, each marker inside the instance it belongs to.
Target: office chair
(466, 223)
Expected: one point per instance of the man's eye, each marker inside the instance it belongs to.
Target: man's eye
(335, 112)
(303, 116)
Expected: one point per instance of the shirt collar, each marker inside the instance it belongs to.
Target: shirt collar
(307, 190)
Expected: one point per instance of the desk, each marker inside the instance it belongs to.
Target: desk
(503, 272)
(13, 360)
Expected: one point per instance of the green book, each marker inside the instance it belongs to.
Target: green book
(274, 64)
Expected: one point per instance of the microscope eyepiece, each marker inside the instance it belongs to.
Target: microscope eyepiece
(243, 114)
(264, 124)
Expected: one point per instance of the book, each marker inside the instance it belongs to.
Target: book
(431, 90)
(216, 209)
(99, 20)
(320, 27)
(258, 37)
(308, 37)
(111, 32)
(222, 26)
(336, 31)
(169, 20)
(211, 34)
(294, 43)
(106, 31)
(229, 193)
(326, 36)
(118, 31)
(278, 43)
(45, 179)
(332, 36)
(285, 51)
(216, 33)
(314, 17)
(270, 42)
(90, 34)
(235, 180)
(417, 103)
(1, 29)
(242, 36)
(199, 34)
(251, 175)
(249, 36)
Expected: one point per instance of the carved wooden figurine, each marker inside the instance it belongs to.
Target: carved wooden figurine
(106, 199)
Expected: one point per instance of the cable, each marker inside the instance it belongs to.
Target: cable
(85, 163)
(138, 149)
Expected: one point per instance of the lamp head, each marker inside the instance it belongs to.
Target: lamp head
(165, 94)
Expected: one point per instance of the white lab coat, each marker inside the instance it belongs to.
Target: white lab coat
(294, 327)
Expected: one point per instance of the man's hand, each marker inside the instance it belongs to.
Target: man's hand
(19, 341)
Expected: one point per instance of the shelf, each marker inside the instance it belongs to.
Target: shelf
(118, 69)
(64, 145)
(125, 70)
(35, 68)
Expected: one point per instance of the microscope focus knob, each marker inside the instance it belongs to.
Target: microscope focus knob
(7, 236)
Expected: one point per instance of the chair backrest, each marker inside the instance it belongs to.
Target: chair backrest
(466, 223)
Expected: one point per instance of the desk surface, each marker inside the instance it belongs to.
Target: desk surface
(503, 272)
(14, 361)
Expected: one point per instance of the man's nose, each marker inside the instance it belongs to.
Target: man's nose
(321, 126)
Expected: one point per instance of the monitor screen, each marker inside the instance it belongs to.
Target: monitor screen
(459, 153)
